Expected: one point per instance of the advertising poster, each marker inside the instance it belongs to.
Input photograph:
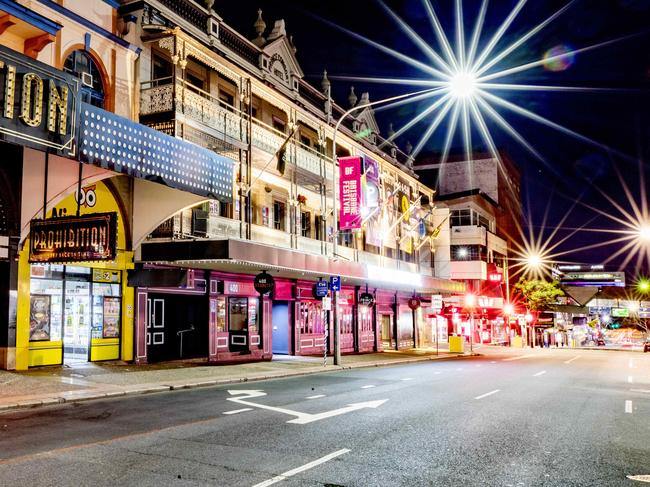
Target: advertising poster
(39, 318)
(111, 317)
(350, 193)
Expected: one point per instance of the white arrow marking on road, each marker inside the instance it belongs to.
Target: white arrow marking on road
(640, 478)
(310, 418)
(301, 418)
(571, 360)
(237, 411)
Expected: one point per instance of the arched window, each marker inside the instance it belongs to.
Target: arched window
(81, 65)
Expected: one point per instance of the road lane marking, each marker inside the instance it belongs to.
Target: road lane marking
(407, 378)
(487, 394)
(306, 466)
(370, 386)
(628, 406)
(574, 358)
(539, 373)
(631, 364)
(519, 357)
(493, 361)
(640, 478)
(641, 390)
(237, 411)
(317, 396)
(242, 396)
(630, 379)
(437, 373)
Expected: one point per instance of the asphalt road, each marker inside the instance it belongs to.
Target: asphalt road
(552, 417)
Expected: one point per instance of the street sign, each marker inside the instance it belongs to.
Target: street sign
(327, 304)
(414, 303)
(321, 288)
(366, 299)
(335, 283)
(436, 302)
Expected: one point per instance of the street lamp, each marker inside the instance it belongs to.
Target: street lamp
(470, 302)
(644, 233)
(337, 330)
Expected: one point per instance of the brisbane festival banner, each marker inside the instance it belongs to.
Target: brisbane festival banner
(350, 193)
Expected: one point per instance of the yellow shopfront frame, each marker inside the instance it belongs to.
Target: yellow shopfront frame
(39, 353)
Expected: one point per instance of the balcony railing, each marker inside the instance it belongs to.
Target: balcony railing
(158, 96)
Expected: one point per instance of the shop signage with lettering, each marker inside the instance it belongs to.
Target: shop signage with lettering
(74, 238)
(264, 283)
(38, 104)
(366, 299)
(321, 288)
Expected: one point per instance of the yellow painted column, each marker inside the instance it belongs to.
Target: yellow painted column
(22, 311)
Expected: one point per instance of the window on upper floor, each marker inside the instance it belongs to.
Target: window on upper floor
(227, 98)
(81, 65)
(305, 224)
(279, 124)
(278, 214)
(161, 67)
(460, 218)
(468, 252)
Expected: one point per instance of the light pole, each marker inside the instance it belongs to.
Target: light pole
(335, 216)
(470, 302)
(508, 310)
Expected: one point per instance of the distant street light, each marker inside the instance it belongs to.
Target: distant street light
(643, 285)
(534, 260)
(644, 233)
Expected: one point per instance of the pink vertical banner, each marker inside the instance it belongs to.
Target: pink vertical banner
(350, 193)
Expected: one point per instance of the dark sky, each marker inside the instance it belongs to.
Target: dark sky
(572, 170)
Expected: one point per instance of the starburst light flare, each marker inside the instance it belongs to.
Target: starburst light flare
(466, 66)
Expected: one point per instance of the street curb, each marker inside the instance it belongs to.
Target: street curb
(72, 397)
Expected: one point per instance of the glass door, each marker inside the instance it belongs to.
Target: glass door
(238, 324)
(76, 321)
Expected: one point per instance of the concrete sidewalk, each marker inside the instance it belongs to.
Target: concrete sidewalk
(55, 385)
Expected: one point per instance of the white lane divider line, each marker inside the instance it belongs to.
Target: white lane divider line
(641, 390)
(237, 411)
(518, 357)
(630, 379)
(307, 466)
(631, 364)
(574, 358)
(407, 378)
(640, 478)
(317, 396)
(628, 406)
(539, 373)
(437, 373)
(487, 394)
(369, 386)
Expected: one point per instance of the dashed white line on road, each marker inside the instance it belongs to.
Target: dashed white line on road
(407, 378)
(630, 379)
(237, 411)
(539, 373)
(631, 364)
(316, 396)
(519, 357)
(571, 360)
(437, 373)
(487, 394)
(306, 466)
(370, 386)
(641, 390)
(628, 406)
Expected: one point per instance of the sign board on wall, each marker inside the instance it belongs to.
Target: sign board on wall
(39, 104)
(90, 237)
(350, 193)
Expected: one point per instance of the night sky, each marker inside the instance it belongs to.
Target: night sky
(572, 171)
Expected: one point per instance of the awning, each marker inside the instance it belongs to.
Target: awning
(251, 257)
